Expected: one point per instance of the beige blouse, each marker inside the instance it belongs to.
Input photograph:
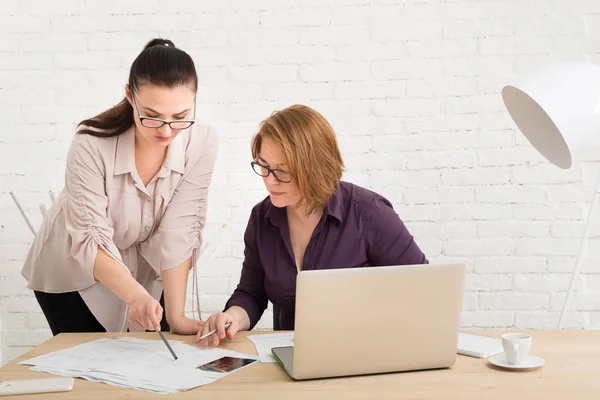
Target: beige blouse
(147, 228)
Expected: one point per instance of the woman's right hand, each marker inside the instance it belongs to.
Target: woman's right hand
(218, 321)
(145, 312)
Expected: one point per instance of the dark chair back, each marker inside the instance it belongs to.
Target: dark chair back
(276, 312)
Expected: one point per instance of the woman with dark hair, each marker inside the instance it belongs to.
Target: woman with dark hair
(118, 243)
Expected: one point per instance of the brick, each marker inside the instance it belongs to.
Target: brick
(469, 301)
(513, 229)
(548, 247)
(332, 110)
(476, 212)
(440, 159)
(514, 301)
(407, 30)
(215, 19)
(10, 353)
(98, 41)
(487, 319)
(471, 104)
(297, 91)
(551, 26)
(476, 176)
(479, 247)
(405, 107)
(150, 22)
(262, 4)
(438, 195)
(459, 230)
(430, 247)
(333, 35)
(418, 213)
(24, 304)
(510, 265)
(495, 194)
(442, 48)
(395, 143)
(549, 320)
(25, 337)
(231, 93)
(44, 42)
(544, 283)
(263, 37)
(591, 282)
(332, 72)
(292, 17)
(85, 23)
(406, 69)
(548, 212)
(487, 282)
(312, 3)
(561, 264)
(348, 15)
(44, 8)
(89, 60)
(432, 88)
(508, 157)
(425, 230)
(544, 173)
(406, 178)
(579, 302)
(456, 138)
(568, 193)
(269, 74)
(461, 30)
(95, 7)
(368, 90)
(25, 24)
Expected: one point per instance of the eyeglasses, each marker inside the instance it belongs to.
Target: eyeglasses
(264, 171)
(150, 122)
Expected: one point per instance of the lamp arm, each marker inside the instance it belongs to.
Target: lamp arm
(582, 248)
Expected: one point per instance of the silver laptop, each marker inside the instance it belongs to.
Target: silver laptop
(360, 321)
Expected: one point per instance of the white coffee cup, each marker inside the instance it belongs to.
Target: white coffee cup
(516, 347)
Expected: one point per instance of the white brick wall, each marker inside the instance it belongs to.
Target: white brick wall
(412, 88)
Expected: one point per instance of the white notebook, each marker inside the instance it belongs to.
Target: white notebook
(479, 346)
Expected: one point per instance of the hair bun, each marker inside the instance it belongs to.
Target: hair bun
(159, 42)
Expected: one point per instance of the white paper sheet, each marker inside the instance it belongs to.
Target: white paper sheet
(264, 344)
(135, 363)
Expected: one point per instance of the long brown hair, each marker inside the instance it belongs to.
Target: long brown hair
(161, 64)
(310, 151)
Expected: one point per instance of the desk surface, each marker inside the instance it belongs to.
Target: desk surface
(572, 370)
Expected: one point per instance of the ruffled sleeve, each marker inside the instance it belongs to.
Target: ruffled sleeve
(85, 204)
(178, 236)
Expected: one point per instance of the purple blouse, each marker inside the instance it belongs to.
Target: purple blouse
(359, 228)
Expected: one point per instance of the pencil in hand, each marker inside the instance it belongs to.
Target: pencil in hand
(167, 343)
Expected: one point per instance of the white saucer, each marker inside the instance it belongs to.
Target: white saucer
(529, 362)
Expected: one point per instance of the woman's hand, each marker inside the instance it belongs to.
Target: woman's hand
(218, 321)
(145, 312)
(186, 326)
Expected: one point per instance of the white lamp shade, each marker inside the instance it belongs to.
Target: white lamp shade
(557, 109)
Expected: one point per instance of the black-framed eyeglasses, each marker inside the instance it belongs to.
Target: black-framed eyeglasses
(264, 171)
(150, 122)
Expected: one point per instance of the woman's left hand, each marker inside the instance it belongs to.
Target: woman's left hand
(186, 326)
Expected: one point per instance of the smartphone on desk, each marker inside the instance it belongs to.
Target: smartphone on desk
(32, 386)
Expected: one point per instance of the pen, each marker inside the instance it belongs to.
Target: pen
(214, 330)
(167, 343)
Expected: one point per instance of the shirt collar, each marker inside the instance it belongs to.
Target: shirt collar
(333, 208)
(125, 153)
(125, 156)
